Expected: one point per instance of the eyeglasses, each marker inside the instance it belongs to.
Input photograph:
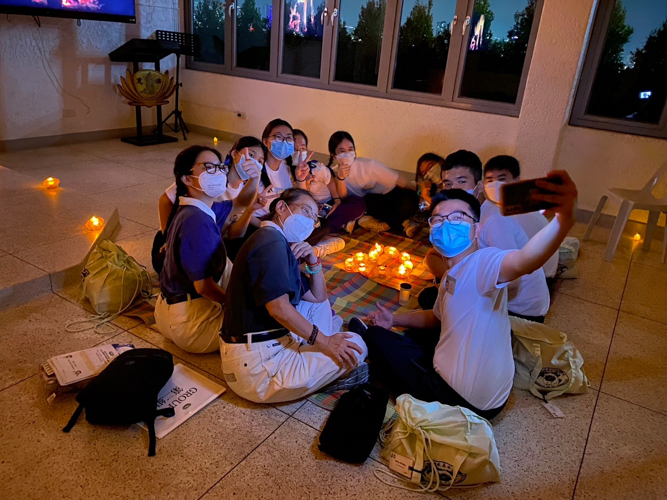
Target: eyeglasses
(210, 168)
(456, 218)
(282, 138)
(308, 212)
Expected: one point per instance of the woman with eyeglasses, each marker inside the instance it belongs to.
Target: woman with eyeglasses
(189, 310)
(390, 199)
(279, 339)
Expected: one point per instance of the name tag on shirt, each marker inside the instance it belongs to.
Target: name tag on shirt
(450, 284)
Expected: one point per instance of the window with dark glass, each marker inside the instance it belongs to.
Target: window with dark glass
(303, 34)
(359, 40)
(253, 34)
(497, 41)
(209, 23)
(423, 45)
(631, 78)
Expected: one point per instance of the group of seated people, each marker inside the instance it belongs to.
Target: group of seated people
(240, 268)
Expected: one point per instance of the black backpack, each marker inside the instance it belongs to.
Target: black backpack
(126, 392)
(354, 424)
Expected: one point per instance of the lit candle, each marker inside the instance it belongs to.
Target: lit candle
(405, 256)
(373, 255)
(378, 248)
(391, 251)
(349, 264)
(360, 256)
(401, 272)
(637, 237)
(94, 223)
(362, 268)
(51, 183)
(408, 265)
(382, 271)
(215, 141)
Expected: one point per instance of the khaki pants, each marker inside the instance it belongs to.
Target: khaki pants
(193, 325)
(284, 369)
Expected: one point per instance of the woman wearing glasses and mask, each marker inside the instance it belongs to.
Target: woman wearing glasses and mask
(279, 339)
(189, 310)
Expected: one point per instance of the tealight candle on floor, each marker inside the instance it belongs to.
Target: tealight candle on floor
(360, 256)
(349, 264)
(409, 265)
(51, 183)
(405, 256)
(382, 271)
(215, 141)
(401, 271)
(637, 237)
(373, 255)
(391, 251)
(362, 268)
(94, 223)
(378, 248)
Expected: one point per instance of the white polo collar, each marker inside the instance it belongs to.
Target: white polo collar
(194, 202)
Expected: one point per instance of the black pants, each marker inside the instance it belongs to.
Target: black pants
(394, 207)
(536, 319)
(403, 364)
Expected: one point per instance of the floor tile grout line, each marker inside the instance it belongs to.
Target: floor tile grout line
(599, 391)
(244, 458)
(18, 382)
(634, 404)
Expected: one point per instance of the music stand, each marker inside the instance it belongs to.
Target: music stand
(189, 45)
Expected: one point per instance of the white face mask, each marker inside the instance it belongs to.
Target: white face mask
(346, 158)
(492, 190)
(212, 185)
(299, 156)
(297, 227)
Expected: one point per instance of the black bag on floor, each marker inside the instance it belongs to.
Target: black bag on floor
(126, 392)
(354, 424)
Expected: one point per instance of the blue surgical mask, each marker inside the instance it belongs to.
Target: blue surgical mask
(470, 191)
(451, 239)
(281, 150)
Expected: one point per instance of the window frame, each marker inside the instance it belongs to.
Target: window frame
(578, 116)
(387, 63)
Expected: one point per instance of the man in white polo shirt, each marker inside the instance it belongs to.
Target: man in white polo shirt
(468, 361)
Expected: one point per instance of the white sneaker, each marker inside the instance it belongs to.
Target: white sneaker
(372, 224)
(328, 246)
(349, 227)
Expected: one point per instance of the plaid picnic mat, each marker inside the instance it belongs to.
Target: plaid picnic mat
(363, 241)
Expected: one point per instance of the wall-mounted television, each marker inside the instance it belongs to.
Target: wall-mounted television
(121, 11)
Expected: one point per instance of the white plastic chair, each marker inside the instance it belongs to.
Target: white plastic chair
(633, 199)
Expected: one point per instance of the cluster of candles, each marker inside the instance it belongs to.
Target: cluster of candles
(378, 262)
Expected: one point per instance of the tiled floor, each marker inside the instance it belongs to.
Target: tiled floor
(612, 443)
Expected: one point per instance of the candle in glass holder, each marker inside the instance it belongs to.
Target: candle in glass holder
(409, 265)
(373, 255)
(378, 248)
(362, 268)
(391, 251)
(382, 271)
(349, 264)
(360, 257)
(51, 183)
(94, 223)
(402, 272)
(405, 256)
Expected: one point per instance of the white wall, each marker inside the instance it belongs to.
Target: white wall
(62, 68)
(397, 133)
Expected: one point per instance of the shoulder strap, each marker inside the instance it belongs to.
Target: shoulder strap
(165, 412)
(74, 418)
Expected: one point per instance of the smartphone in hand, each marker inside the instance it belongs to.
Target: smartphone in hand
(517, 197)
(324, 210)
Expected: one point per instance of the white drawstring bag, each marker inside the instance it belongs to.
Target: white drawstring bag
(546, 363)
(451, 440)
(112, 280)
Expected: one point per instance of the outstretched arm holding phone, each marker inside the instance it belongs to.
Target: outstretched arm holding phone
(543, 245)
